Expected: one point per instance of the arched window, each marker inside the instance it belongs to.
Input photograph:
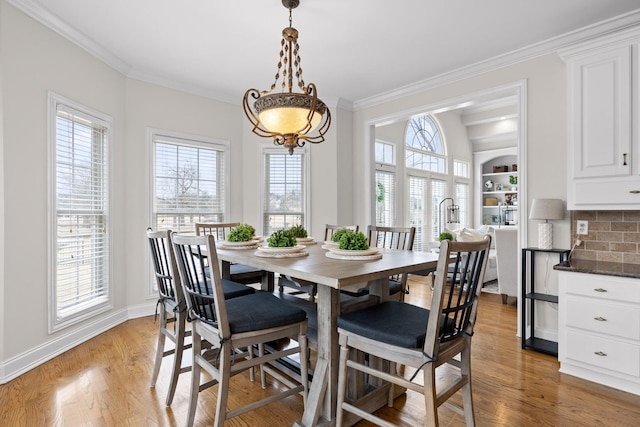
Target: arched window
(424, 146)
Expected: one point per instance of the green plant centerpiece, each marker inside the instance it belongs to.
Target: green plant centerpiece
(241, 233)
(335, 237)
(298, 231)
(513, 180)
(353, 241)
(445, 235)
(281, 239)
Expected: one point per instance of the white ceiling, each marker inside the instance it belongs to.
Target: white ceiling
(352, 50)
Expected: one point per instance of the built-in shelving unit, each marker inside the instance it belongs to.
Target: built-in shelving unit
(498, 194)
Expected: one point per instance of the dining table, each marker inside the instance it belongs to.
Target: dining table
(333, 275)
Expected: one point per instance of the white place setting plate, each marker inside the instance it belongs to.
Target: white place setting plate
(334, 255)
(251, 244)
(296, 248)
(306, 240)
(364, 252)
(264, 254)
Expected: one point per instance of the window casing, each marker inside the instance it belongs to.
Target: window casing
(189, 181)
(80, 231)
(285, 189)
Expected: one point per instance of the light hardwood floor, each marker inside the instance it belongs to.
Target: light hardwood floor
(105, 382)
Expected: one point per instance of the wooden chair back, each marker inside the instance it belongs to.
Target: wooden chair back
(218, 229)
(330, 229)
(391, 237)
(164, 266)
(454, 304)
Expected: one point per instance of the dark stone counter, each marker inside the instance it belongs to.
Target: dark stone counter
(600, 267)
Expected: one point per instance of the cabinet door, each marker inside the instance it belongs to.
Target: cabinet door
(600, 112)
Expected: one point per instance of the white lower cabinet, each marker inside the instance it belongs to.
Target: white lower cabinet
(599, 329)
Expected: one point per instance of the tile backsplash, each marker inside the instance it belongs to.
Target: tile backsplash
(613, 236)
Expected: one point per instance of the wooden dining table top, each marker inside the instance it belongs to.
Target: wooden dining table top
(336, 273)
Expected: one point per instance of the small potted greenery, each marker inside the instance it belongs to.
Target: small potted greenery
(513, 180)
(338, 234)
(445, 235)
(241, 233)
(281, 239)
(353, 241)
(299, 232)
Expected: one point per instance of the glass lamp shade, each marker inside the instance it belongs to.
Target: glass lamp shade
(286, 120)
(288, 113)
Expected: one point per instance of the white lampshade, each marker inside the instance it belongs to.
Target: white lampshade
(546, 209)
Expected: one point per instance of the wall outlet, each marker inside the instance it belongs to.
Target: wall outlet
(582, 227)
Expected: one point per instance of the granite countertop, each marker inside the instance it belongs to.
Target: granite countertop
(619, 269)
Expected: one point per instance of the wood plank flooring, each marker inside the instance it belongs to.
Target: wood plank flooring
(105, 382)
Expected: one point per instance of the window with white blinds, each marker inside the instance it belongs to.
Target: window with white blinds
(189, 181)
(462, 200)
(417, 199)
(285, 190)
(438, 193)
(385, 198)
(80, 232)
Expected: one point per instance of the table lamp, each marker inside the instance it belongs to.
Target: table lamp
(546, 209)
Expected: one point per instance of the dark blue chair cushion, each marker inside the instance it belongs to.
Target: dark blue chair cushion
(392, 322)
(261, 311)
(243, 269)
(234, 290)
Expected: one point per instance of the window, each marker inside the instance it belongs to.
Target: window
(462, 200)
(417, 199)
(189, 181)
(424, 148)
(285, 189)
(80, 230)
(461, 169)
(438, 219)
(385, 191)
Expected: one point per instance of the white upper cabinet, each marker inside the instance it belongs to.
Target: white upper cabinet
(603, 157)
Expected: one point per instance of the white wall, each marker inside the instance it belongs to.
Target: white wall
(36, 60)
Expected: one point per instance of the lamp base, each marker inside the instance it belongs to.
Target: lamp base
(545, 235)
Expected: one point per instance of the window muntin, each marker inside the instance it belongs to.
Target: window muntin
(385, 153)
(424, 147)
(285, 190)
(80, 230)
(189, 181)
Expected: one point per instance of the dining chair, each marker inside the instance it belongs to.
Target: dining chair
(234, 325)
(237, 272)
(173, 307)
(302, 286)
(400, 238)
(419, 338)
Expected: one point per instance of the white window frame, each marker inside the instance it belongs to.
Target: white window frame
(179, 138)
(391, 169)
(104, 302)
(268, 149)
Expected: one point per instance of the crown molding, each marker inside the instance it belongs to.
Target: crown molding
(54, 23)
(565, 41)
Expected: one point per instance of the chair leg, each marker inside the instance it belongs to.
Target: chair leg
(177, 357)
(160, 346)
(195, 375)
(223, 385)
(304, 366)
(263, 374)
(467, 395)
(429, 376)
(342, 380)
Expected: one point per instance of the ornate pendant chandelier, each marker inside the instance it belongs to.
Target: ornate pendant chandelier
(289, 118)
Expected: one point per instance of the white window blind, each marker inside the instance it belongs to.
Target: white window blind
(462, 200)
(385, 198)
(285, 177)
(438, 193)
(417, 209)
(189, 182)
(80, 195)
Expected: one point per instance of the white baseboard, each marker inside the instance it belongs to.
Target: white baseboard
(16, 366)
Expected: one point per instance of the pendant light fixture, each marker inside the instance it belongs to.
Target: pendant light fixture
(290, 118)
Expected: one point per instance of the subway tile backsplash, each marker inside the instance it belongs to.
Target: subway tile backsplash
(613, 236)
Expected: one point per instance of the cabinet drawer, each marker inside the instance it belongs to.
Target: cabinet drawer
(603, 287)
(613, 320)
(603, 353)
